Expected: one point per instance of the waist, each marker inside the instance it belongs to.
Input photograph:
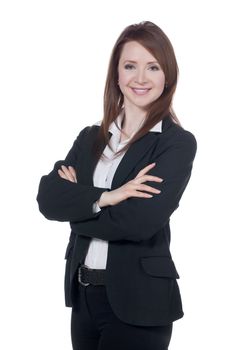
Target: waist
(87, 275)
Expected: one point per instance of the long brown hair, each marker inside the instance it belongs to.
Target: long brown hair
(152, 38)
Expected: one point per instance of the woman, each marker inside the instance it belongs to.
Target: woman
(118, 186)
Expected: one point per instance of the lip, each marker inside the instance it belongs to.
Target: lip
(140, 91)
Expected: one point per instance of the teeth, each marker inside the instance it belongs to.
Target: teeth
(140, 91)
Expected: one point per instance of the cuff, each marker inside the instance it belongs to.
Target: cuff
(95, 207)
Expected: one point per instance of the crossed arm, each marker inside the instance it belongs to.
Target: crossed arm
(137, 219)
(68, 173)
(133, 219)
(63, 200)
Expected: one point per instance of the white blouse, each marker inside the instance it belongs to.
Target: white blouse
(96, 257)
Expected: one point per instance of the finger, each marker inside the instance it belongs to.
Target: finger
(145, 178)
(73, 172)
(61, 174)
(141, 194)
(151, 178)
(148, 188)
(144, 170)
(73, 176)
(142, 187)
(67, 173)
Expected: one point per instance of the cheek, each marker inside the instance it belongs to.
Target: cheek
(159, 80)
(124, 77)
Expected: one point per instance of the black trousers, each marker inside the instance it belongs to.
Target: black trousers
(94, 326)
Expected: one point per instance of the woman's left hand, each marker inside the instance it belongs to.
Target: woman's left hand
(67, 173)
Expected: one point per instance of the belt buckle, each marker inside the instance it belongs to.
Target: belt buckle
(79, 278)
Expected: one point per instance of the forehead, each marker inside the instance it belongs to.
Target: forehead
(135, 52)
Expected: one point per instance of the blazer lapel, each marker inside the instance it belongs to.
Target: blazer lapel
(130, 159)
(135, 153)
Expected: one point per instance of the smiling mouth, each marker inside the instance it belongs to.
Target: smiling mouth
(140, 91)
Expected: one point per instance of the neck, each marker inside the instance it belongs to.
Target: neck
(132, 120)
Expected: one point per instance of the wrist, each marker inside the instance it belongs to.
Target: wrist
(103, 200)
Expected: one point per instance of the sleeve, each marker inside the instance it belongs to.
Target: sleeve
(137, 219)
(96, 208)
(63, 200)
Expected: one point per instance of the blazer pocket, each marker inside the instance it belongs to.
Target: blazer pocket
(159, 266)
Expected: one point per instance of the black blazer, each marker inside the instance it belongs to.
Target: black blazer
(141, 276)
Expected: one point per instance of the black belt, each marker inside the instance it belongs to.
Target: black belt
(88, 276)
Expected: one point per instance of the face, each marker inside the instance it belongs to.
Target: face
(141, 79)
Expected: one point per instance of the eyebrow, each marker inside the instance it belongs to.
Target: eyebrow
(136, 62)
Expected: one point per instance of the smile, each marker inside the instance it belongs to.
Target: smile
(140, 92)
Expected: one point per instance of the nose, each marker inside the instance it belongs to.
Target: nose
(140, 77)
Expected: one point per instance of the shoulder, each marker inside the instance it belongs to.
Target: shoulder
(83, 133)
(176, 136)
(86, 134)
(91, 128)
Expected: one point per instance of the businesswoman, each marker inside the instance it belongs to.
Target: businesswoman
(118, 186)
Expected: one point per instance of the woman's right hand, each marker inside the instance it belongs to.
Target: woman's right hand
(133, 188)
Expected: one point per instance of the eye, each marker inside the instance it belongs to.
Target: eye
(128, 66)
(154, 68)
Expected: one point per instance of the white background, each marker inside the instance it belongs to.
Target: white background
(54, 57)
